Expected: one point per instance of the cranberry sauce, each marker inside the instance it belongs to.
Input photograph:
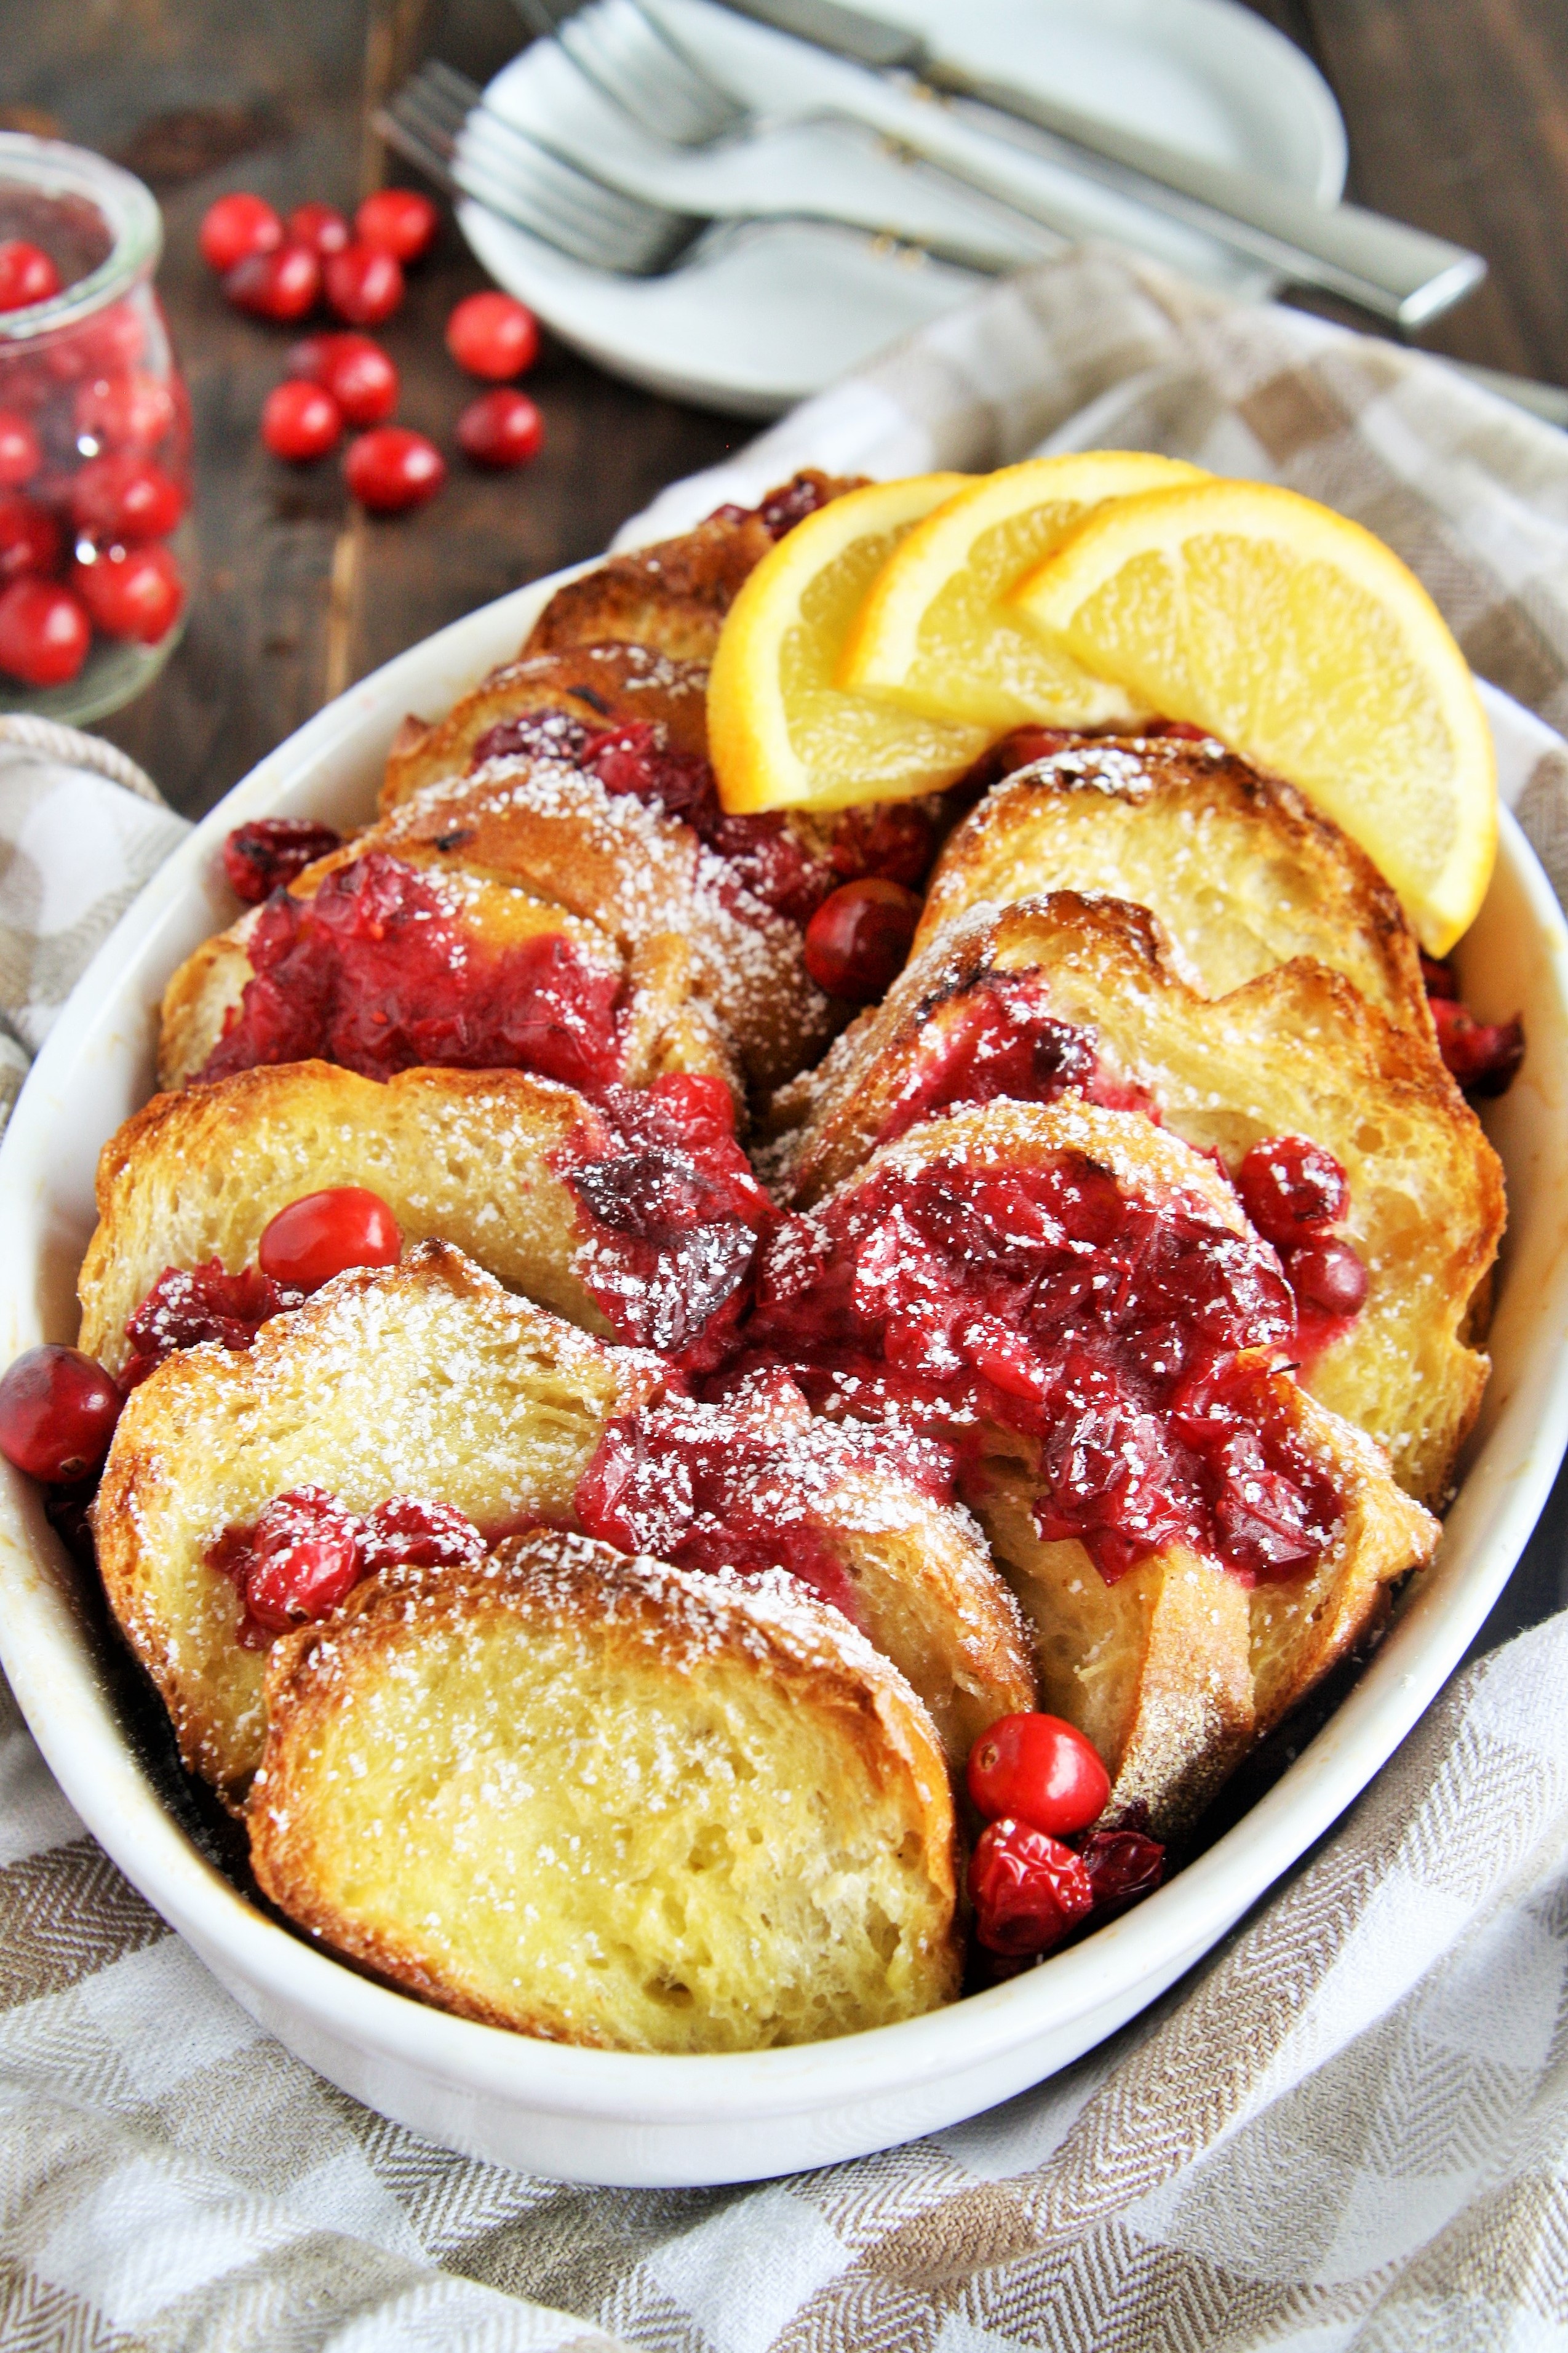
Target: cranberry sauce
(274, 852)
(374, 974)
(1483, 1056)
(1116, 1334)
(189, 1305)
(999, 1040)
(674, 1216)
(784, 507)
(307, 1551)
(1294, 1191)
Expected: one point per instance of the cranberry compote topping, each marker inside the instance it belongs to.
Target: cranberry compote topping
(674, 1216)
(1123, 1866)
(375, 974)
(189, 1305)
(272, 851)
(1484, 1056)
(781, 509)
(1291, 1188)
(1130, 1342)
(1327, 1276)
(58, 1412)
(999, 1040)
(1027, 1889)
(308, 1551)
(856, 941)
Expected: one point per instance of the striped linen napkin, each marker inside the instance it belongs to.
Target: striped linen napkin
(1349, 2128)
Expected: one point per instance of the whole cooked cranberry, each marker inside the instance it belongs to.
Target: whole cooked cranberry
(1123, 1866)
(1483, 1056)
(1327, 1275)
(391, 467)
(30, 538)
(856, 941)
(1040, 1770)
(501, 428)
(303, 1559)
(399, 220)
(418, 1534)
(20, 453)
(300, 421)
(321, 227)
(125, 497)
(1438, 979)
(1290, 1187)
(492, 336)
(43, 632)
(1027, 1889)
(353, 369)
(26, 275)
(122, 412)
(321, 1234)
(364, 284)
(267, 854)
(282, 284)
(58, 1412)
(237, 228)
(132, 592)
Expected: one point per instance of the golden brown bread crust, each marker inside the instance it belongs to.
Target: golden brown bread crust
(462, 1156)
(1242, 873)
(602, 685)
(1296, 1051)
(426, 1380)
(711, 1791)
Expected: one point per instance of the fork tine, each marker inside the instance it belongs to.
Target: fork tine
(626, 55)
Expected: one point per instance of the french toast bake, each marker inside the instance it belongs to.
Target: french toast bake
(589, 1613)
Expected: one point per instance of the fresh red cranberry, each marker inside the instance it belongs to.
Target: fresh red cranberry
(391, 467)
(1027, 1889)
(491, 336)
(124, 412)
(132, 592)
(856, 941)
(1040, 1770)
(26, 275)
(43, 632)
(300, 421)
(1290, 1187)
(282, 284)
(355, 370)
(235, 228)
(1327, 1275)
(322, 1234)
(364, 284)
(58, 1412)
(502, 427)
(125, 497)
(303, 1559)
(321, 227)
(270, 853)
(30, 538)
(1123, 1866)
(399, 221)
(1484, 1056)
(21, 454)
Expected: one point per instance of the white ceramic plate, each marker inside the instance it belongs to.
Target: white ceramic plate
(599, 2115)
(791, 306)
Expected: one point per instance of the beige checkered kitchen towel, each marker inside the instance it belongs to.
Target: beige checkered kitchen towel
(1347, 2129)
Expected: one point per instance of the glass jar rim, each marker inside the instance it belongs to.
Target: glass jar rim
(130, 211)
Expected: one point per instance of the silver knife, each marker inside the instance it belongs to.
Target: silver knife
(1395, 271)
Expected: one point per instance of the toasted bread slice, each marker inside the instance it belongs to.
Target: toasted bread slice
(1243, 874)
(601, 1800)
(426, 1380)
(1296, 1051)
(601, 686)
(462, 1156)
(1170, 1669)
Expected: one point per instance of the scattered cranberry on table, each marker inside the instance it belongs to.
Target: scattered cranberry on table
(399, 220)
(364, 284)
(1028, 1889)
(501, 428)
(21, 452)
(391, 467)
(492, 336)
(300, 421)
(1038, 1769)
(58, 1412)
(237, 228)
(45, 632)
(282, 284)
(271, 851)
(30, 539)
(125, 497)
(354, 370)
(26, 275)
(321, 227)
(856, 941)
(321, 1234)
(132, 592)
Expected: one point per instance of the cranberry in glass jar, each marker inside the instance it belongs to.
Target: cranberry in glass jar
(96, 441)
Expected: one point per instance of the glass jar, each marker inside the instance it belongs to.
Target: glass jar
(95, 440)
